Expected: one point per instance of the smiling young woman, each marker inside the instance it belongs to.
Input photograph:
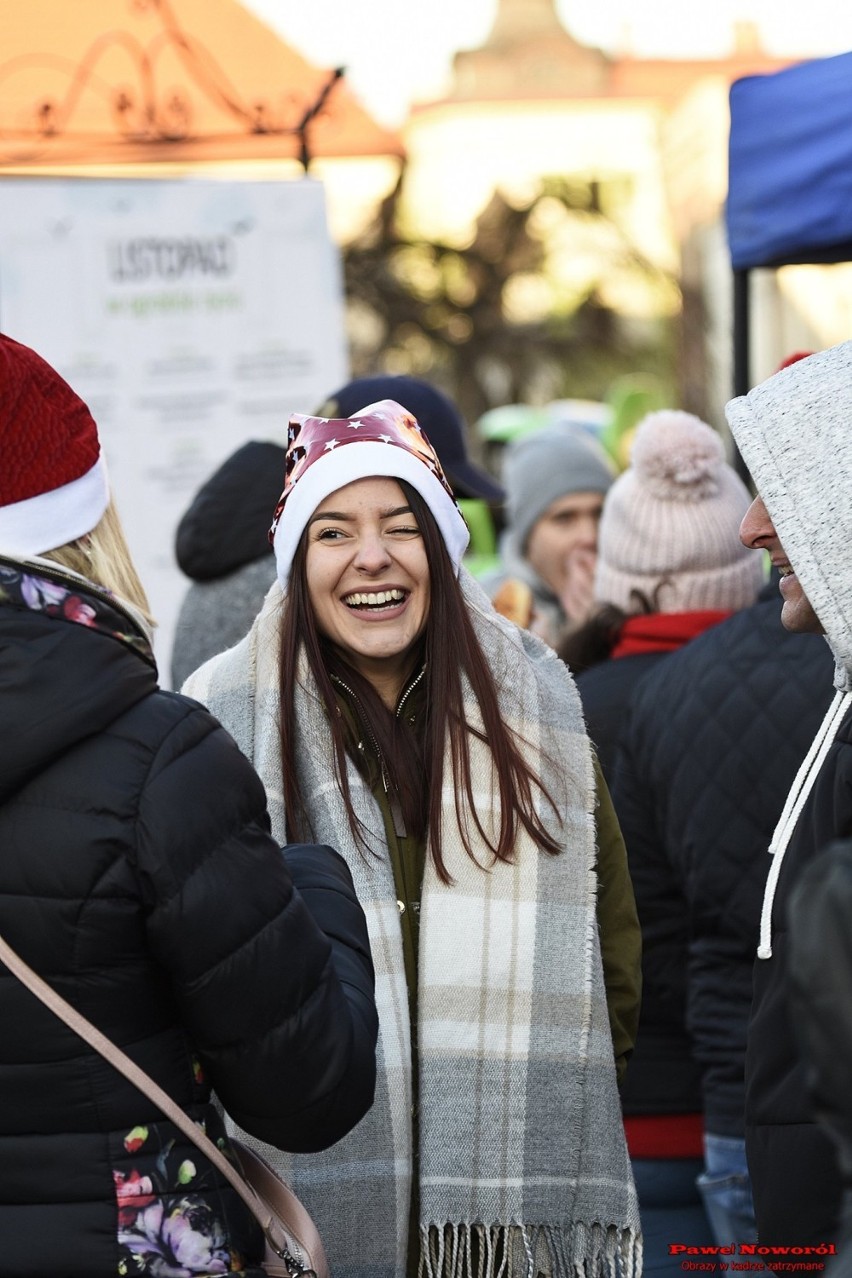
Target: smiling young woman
(368, 580)
(394, 715)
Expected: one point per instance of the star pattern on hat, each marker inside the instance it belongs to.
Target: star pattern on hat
(386, 423)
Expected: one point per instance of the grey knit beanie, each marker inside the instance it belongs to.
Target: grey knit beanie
(670, 524)
(551, 463)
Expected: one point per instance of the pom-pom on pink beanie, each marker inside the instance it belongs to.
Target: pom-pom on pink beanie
(669, 533)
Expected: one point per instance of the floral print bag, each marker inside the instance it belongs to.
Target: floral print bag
(293, 1248)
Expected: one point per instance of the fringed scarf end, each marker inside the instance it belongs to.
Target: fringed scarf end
(538, 1251)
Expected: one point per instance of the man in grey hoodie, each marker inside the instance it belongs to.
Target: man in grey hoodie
(793, 432)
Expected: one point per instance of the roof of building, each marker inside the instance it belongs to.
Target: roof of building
(135, 81)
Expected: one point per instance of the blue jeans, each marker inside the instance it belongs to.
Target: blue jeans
(671, 1211)
(726, 1190)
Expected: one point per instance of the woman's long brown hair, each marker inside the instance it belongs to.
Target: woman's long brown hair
(450, 649)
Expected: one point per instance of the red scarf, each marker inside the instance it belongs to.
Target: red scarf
(663, 631)
(665, 1135)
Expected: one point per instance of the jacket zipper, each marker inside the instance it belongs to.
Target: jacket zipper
(409, 690)
(392, 796)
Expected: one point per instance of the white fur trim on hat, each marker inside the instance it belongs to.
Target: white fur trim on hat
(364, 460)
(57, 517)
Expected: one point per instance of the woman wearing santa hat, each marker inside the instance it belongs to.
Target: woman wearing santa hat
(391, 712)
(138, 878)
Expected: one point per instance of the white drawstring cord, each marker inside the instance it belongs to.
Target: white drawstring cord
(796, 799)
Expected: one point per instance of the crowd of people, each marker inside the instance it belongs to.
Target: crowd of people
(506, 917)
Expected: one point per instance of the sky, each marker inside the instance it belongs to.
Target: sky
(399, 51)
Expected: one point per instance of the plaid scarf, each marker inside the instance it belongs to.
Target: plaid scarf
(522, 1164)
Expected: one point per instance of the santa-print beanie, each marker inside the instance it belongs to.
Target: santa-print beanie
(327, 453)
(53, 484)
(670, 524)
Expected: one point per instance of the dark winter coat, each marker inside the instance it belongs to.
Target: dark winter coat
(820, 970)
(137, 876)
(714, 739)
(605, 690)
(797, 1184)
(663, 1078)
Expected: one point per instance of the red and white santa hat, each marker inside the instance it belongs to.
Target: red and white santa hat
(53, 484)
(321, 458)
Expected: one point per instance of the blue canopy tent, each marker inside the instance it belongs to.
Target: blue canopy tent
(789, 178)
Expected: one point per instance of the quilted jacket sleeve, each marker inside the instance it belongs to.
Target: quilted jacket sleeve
(280, 1014)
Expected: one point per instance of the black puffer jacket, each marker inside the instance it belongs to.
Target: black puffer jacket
(137, 876)
(713, 742)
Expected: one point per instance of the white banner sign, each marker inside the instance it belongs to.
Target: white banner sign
(190, 315)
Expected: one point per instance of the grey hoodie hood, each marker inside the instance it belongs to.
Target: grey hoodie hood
(794, 432)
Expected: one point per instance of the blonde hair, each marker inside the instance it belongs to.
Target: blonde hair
(103, 557)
